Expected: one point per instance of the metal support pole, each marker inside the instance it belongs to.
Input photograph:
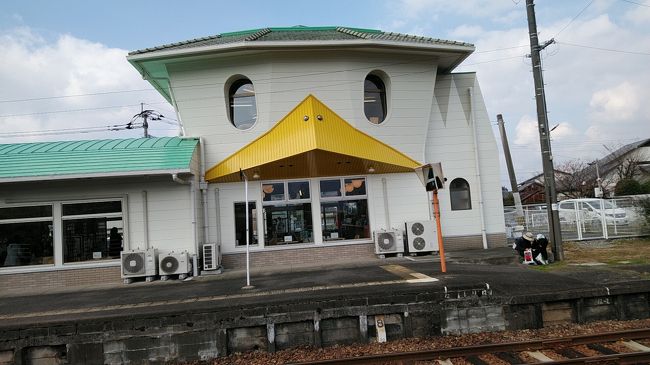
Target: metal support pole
(441, 247)
(511, 171)
(544, 135)
(248, 268)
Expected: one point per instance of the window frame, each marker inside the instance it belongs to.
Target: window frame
(452, 197)
(344, 197)
(287, 199)
(232, 86)
(50, 219)
(380, 76)
(65, 218)
(253, 227)
(57, 232)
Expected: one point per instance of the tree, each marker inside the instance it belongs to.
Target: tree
(577, 182)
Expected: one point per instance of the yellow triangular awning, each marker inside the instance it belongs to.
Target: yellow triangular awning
(311, 141)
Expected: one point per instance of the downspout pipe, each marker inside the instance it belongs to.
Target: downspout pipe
(203, 185)
(477, 166)
(193, 197)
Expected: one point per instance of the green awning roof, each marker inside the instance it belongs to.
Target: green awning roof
(89, 158)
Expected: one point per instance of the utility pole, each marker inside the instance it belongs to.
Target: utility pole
(511, 171)
(544, 134)
(145, 124)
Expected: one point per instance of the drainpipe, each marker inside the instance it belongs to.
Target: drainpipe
(477, 165)
(204, 194)
(192, 185)
(145, 219)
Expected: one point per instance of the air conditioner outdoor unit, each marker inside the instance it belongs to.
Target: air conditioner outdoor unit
(211, 256)
(139, 263)
(421, 236)
(388, 242)
(175, 263)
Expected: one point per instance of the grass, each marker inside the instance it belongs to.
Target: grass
(631, 251)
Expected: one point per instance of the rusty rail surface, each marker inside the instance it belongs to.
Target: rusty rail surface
(545, 344)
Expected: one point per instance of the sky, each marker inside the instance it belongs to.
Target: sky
(63, 66)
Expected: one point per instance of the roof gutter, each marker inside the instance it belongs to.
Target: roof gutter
(272, 45)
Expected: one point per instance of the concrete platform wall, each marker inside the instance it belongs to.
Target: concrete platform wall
(201, 336)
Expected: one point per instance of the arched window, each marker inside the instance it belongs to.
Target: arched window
(374, 99)
(460, 195)
(241, 101)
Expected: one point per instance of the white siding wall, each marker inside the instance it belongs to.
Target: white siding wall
(450, 141)
(428, 119)
(170, 218)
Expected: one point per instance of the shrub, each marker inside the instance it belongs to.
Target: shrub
(628, 187)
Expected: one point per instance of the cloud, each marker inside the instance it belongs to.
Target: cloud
(37, 68)
(467, 31)
(526, 131)
(619, 103)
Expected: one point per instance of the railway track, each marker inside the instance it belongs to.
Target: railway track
(624, 347)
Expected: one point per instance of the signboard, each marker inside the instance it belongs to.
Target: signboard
(431, 176)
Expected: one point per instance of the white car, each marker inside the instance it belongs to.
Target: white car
(590, 210)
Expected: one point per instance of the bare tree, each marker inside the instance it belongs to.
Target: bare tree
(577, 181)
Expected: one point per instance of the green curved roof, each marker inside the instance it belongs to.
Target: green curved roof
(28, 161)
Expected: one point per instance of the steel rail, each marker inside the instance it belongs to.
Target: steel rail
(453, 352)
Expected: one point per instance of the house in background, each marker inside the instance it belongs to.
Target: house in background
(631, 161)
(533, 191)
(327, 123)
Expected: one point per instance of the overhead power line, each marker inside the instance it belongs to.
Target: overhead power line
(635, 3)
(574, 18)
(603, 49)
(109, 92)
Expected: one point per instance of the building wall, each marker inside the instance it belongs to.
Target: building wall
(429, 119)
(450, 141)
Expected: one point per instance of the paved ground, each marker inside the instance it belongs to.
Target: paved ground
(397, 276)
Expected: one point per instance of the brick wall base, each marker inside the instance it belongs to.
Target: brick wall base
(59, 279)
(302, 257)
(474, 242)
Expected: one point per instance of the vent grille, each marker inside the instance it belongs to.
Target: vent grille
(133, 263)
(169, 265)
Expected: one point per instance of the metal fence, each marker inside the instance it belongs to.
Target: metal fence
(584, 219)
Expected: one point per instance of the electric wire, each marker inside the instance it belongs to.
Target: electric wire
(604, 49)
(574, 18)
(419, 60)
(635, 3)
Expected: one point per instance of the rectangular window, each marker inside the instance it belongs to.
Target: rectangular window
(287, 217)
(298, 190)
(26, 236)
(240, 223)
(287, 224)
(344, 217)
(330, 188)
(273, 192)
(92, 231)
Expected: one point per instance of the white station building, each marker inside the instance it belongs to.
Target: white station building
(326, 123)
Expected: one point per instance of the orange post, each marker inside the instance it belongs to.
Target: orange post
(436, 214)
